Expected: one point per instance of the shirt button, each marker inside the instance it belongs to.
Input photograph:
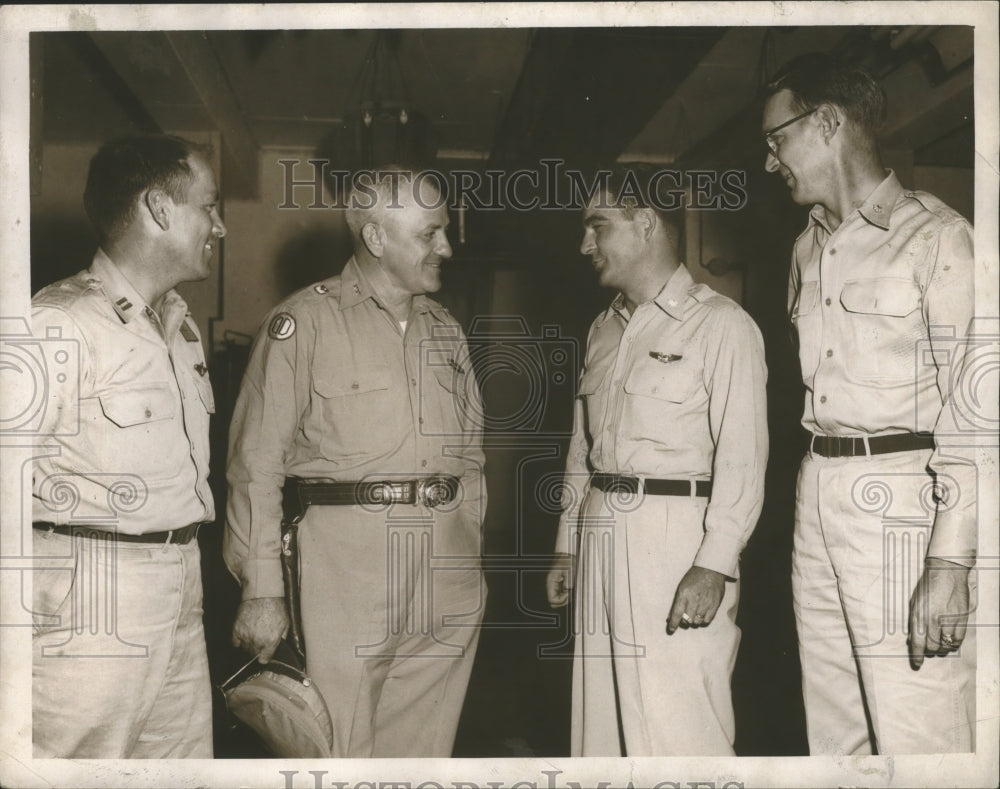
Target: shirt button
(829, 353)
(423, 463)
(148, 413)
(823, 399)
(413, 381)
(833, 251)
(828, 302)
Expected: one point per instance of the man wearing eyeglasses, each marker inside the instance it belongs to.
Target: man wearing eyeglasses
(881, 294)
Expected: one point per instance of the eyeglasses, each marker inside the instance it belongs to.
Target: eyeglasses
(767, 135)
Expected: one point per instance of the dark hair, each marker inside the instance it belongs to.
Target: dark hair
(125, 167)
(816, 77)
(638, 185)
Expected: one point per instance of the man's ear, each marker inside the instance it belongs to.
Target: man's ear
(373, 235)
(646, 220)
(828, 116)
(158, 203)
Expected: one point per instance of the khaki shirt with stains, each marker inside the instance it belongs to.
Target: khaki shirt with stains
(127, 402)
(883, 306)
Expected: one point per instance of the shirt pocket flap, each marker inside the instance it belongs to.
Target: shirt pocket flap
(138, 404)
(590, 382)
(361, 378)
(894, 297)
(807, 298)
(671, 381)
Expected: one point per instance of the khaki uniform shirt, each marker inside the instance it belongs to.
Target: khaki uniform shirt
(336, 389)
(883, 305)
(126, 408)
(676, 391)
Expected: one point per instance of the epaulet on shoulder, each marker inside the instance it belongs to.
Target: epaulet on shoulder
(311, 293)
(440, 309)
(705, 294)
(934, 205)
(64, 293)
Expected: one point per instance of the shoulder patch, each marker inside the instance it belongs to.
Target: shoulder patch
(321, 289)
(281, 327)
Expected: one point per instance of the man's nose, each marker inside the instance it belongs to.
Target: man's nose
(587, 245)
(771, 162)
(443, 247)
(218, 226)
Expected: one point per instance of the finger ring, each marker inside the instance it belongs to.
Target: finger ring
(948, 640)
(685, 617)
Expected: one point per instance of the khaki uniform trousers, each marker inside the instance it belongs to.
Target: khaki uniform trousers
(390, 627)
(861, 532)
(672, 692)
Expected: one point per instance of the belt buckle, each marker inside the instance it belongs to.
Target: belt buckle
(385, 492)
(435, 491)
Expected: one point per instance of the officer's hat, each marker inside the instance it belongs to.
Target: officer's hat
(282, 705)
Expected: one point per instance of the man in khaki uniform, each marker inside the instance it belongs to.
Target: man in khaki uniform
(365, 383)
(119, 664)
(881, 293)
(664, 481)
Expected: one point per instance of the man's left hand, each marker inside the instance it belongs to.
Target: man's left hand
(697, 599)
(939, 610)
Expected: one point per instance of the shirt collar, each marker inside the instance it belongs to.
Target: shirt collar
(876, 209)
(125, 299)
(672, 298)
(355, 289)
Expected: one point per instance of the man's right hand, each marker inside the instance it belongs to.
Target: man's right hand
(260, 625)
(559, 582)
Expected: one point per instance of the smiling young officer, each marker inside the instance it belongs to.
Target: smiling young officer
(881, 293)
(120, 669)
(363, 382)
(664, 482)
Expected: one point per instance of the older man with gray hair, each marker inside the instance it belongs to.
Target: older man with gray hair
(362, 385)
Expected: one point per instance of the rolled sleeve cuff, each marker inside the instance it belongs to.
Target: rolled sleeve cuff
(262, 578)
(721, 553)
(954, 539)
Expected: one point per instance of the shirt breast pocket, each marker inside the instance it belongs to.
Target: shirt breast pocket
(673, 382)
(356, 414)
(144, 436)
(886, 327)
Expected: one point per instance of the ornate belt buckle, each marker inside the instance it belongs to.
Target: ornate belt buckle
(435, 491)
(382, 493)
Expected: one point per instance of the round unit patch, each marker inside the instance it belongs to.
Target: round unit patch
(282, 326)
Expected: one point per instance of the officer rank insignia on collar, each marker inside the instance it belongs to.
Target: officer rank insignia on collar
(188, 333)
(321, 289)
(281, 327)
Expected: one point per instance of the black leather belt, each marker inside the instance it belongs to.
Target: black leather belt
(432, 491)
(855, 446)
(619, 483)
(180, 536)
